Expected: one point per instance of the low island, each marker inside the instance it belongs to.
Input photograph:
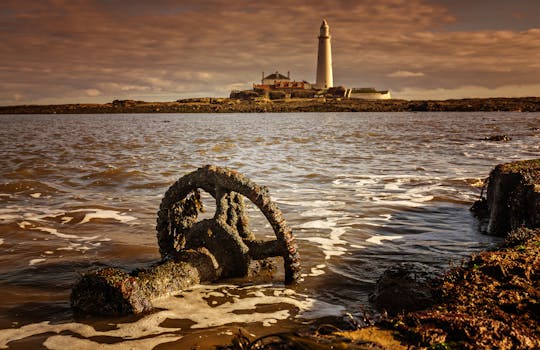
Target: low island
(287, 105)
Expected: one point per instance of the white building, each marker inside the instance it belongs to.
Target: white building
(369, 94)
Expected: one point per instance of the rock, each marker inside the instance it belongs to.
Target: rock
(406, 287)
(490, 302)
(498, 138)
(520, 236)
(512, 198)
(123, 103)
(244, 94)
(337, 91)
(277, 95)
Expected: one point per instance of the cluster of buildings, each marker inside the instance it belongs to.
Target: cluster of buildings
(280, 86)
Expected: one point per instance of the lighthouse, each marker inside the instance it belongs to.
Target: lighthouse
(325, 78)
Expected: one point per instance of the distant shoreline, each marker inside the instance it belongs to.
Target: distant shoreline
(227, 105)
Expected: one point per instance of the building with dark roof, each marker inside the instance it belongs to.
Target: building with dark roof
(278, 81)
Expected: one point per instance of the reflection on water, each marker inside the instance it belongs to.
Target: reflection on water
(361, 191)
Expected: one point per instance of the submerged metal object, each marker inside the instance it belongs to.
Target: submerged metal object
(194, 251)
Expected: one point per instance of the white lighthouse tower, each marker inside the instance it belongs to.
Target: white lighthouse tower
(325, 78)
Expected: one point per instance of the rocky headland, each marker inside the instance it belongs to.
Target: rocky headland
(262, 105)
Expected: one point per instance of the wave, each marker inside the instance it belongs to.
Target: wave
(28, 186)
(114, 176)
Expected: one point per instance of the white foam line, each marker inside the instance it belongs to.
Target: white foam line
(35, 261)
(328, 246)
(321, 224)
(332, 245)
(313, 204)
(104, 214)
(8, 218)
(319, 212)
(147, 332)
(316, 271)
(394, 186)
(71, 246)
(70, 342)
(423, 198)
(55, 232)
(379, 239)
(66, 219)
(386, 217)
(401, 203)
(24, 224)
(207, 316)
(40, 217)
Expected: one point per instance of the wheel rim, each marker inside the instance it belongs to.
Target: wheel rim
(225, 185)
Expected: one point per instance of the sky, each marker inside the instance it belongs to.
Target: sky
(95, 51)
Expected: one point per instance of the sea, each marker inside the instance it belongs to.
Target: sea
(361, 192)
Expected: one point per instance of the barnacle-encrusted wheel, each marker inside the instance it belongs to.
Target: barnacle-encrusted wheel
(177, 226)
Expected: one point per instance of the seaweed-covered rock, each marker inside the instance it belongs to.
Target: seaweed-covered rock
(519, 236)
(406, 287)
(512, 197)
(492, 302)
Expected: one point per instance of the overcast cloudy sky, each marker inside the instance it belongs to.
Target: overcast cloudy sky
(68, 51)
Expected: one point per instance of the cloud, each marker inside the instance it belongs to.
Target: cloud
(165, 50)
(17, 97)
(92, 92)
(405, 74)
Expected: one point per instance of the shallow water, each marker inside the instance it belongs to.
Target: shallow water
(360, 190)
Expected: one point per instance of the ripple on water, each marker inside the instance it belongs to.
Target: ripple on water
(360, 191)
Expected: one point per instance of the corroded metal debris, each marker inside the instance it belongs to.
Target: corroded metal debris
(194, 251)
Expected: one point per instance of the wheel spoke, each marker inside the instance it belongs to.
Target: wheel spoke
(229, 188)
(222, 205)
(237, 217)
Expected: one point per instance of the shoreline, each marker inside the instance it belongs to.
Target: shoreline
(490, 301)
(228, 105)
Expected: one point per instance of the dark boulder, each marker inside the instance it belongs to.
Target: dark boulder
(337, 91)
(406, 287)
(277, 95)
(244, 94)
(498, 138)
(512, 198)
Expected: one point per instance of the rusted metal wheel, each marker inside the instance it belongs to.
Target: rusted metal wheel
(177, 217)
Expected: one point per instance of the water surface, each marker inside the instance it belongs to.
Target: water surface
(360, 190)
